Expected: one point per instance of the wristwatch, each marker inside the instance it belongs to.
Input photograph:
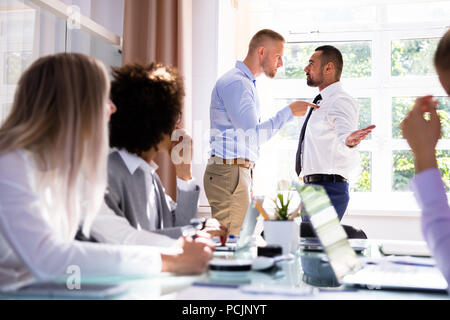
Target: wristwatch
(194, 225)
(198, 223)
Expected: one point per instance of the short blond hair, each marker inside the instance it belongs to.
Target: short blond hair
(261, 37)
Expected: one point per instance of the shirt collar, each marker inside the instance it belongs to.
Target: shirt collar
(330, 90)
(133, 162)
(243, 67)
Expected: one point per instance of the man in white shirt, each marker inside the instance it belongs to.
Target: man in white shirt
(326, 154)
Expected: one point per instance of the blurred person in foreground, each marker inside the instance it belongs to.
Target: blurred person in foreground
(422, 135)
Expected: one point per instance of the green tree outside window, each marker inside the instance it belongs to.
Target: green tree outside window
(402, 105)
(413, 57)
(404, 169)
(357, 58)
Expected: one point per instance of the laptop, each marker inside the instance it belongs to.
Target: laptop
(351, 271)
(313, 244)
(247, 230)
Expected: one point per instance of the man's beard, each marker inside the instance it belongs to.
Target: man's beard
(313, 83)
(270, 74)
(268, 71)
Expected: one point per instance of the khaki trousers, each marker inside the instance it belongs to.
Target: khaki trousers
(228, 189)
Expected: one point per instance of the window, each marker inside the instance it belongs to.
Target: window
(387, 64)
(16, 63)
(28, 32)
(413, 57)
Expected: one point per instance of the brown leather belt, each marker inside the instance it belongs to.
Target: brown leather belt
(233, 162)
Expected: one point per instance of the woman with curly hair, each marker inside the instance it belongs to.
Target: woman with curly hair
(138, 211)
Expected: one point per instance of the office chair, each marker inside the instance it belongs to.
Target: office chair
(306, 231)
(80, 236)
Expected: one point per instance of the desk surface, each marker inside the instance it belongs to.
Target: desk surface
(302, 277)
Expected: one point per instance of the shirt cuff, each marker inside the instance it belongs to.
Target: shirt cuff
(287, 113)
(428, 188)
(186, 186)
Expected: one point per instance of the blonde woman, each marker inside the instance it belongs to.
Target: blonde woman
(53, 154)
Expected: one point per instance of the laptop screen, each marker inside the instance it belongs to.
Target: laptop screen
(248, 226)
(328, 228)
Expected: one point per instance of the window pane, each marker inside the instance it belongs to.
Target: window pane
(26, 33)
(444, 112)
(16, 63)
(81, 41)
(413, 57)
(404, 169)
(365, 114)
(291, 130)
(364, 183)
(402, 105)
(4, 111)
(357, 58)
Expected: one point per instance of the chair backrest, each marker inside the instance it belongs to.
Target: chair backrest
(306, 231)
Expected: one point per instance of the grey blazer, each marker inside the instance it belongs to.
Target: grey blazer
(127, 196)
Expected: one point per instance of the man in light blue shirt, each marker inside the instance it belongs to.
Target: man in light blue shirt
(237, 130)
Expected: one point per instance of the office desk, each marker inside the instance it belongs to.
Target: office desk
(303, 277)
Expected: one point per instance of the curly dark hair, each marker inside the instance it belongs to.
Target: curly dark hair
(149, 101)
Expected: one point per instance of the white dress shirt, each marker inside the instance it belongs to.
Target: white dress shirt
(324, 148)
(119, 230)
(32, 247)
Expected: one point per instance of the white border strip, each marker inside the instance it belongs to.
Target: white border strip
(61, 10)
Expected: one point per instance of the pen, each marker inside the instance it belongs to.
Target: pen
(215, 285)
(413, 264)
(261, 211)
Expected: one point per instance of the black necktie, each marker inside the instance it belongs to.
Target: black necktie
(298, 157)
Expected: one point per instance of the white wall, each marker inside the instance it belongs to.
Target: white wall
(204, 75)
(387, 227)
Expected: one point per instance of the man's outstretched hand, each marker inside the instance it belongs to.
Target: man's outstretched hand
(357, 136)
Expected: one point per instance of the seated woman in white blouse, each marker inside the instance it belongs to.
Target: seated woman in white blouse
(53, 155)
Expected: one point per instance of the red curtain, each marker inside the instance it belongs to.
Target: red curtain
(160, 31)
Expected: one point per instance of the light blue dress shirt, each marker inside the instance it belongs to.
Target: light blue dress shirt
(236, 127)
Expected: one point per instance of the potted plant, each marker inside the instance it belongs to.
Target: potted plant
(283, 230)
(282, 208)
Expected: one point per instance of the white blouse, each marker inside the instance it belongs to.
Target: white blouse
(31, 248)
(108, 227)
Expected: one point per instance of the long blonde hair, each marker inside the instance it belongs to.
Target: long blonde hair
(59, 116)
